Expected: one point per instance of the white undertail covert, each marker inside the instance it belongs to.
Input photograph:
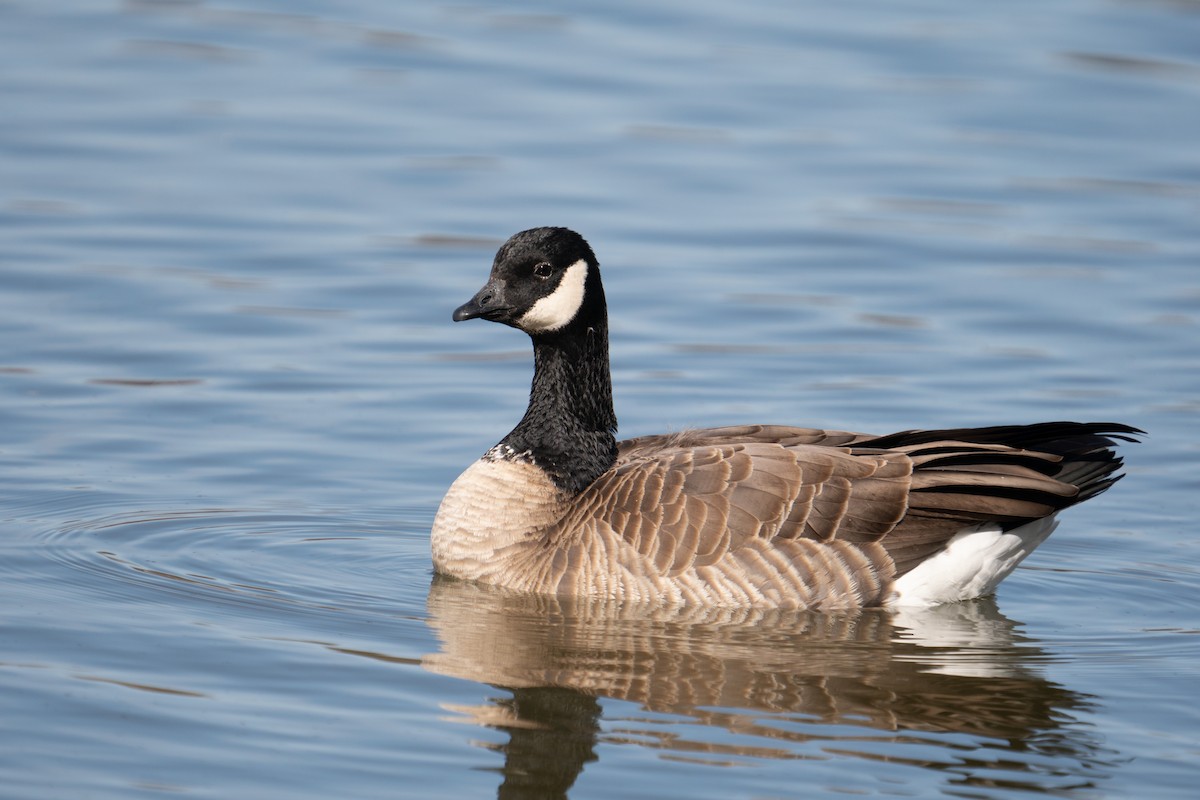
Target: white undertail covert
(972, 564)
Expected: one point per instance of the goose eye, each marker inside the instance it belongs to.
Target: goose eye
(543, 269)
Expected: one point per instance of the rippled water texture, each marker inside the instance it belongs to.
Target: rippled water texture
(232, 233)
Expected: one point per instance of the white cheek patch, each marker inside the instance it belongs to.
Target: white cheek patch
(556, 310)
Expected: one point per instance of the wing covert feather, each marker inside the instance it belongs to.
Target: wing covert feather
(773, 503)
(699, 502)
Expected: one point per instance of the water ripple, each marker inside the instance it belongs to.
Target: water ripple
(262, 562)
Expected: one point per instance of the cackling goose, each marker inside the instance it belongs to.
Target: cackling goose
(754, 515)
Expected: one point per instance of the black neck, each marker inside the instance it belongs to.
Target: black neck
(569, 428)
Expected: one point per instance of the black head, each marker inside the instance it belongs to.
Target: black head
(544, 280)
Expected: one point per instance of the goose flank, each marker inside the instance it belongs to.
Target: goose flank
(753, 515)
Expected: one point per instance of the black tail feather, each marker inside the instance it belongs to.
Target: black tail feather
(1060, 438)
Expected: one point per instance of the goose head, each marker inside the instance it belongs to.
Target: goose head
(544, 281)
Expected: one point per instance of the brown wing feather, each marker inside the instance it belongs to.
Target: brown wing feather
(704, 494)
(1008, 475)
(712, 498)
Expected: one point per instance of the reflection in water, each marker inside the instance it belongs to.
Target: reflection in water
(957, 681)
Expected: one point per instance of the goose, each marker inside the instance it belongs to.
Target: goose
(768, 516)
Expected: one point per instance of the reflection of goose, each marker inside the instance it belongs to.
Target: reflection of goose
(781, 678)
(756, 515)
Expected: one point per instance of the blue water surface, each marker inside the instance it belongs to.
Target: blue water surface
(232, 234)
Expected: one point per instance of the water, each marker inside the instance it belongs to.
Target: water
(231, 235)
